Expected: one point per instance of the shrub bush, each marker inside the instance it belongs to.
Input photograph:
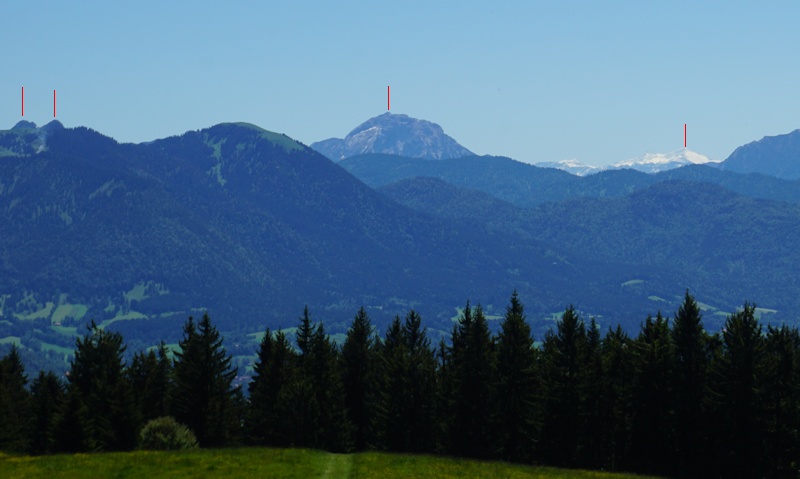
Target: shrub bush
(166, 434)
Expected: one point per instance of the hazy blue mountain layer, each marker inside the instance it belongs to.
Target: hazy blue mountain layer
(527, 185)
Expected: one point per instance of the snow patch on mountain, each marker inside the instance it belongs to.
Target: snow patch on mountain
(656, 162)
(573, 166)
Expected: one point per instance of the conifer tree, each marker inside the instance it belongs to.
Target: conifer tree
(273, 372)
(335, 430)
(593, 406)
(301, 394)
(561, 365)
(359, 378)
(100, 394)
(420, 393)
(317, 393)
(393, 384)
(71, 429)
(205, 399)
(516, 386)
(407, 398)
(305, 334)
(689, 382)
(471, 429)
(261, 401)
(651, 433)
(150, 375)
(14, 403)
(617, 399)
(782, 400)
(47, 396)
(737, 397)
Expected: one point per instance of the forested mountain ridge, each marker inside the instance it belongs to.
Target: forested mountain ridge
(712, 240)
(248, 223)
(245, 223)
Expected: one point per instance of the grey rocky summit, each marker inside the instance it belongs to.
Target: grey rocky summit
(777, 156)
(396, 135)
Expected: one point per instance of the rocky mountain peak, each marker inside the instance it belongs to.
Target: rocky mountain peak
(394, 134)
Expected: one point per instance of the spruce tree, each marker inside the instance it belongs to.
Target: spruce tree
(205, 399)
(407, 397)
(420, 393)
(593, 408)
(516, 386)
(782, 400)
(14, 403)
(737, 396)
(47, 396)
(472, 426)
(617, 400)
(261, 401)
(335, 431)
(100, 394)
(391, 409)
(359, 378)
(150, 375)
(71, 431)
(689, 382)
(305, 334)
(561, 366)
(268, 422)
(317, 394)
(651, 434)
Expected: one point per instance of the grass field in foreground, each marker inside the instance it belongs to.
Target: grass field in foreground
(261, 462)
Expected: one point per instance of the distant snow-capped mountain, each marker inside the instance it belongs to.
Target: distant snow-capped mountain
(656, 162)
(647, 163)
(571, 166)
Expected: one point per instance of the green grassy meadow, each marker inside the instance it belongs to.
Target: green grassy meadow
(262, 462)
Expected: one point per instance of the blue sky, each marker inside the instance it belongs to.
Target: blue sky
(536, 81)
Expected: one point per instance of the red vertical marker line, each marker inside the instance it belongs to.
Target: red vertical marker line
(388, 97)
(23, 101)
(684, 135)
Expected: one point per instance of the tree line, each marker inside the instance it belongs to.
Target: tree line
(674, 400)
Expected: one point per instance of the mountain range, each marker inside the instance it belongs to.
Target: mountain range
(252, 226)
(246, 223)
(526, 185)
(648, 163)
(724, 246)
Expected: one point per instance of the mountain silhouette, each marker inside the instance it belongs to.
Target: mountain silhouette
(394, 134)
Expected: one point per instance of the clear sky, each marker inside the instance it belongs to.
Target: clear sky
(599, 81)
